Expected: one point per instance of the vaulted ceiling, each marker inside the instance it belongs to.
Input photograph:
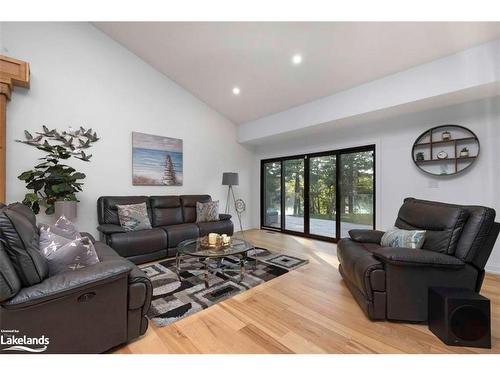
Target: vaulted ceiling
(210, 59)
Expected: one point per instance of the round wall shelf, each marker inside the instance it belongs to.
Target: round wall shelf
(445, 150)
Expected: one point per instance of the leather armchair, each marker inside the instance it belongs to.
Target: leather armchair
(89, 310)
(392, 283)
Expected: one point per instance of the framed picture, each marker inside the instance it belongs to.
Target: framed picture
(156, 160)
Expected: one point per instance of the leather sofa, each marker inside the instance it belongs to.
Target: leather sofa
(89, 310)
(172, 217)
(393, 283)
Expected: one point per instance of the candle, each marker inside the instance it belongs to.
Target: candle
(212, 239)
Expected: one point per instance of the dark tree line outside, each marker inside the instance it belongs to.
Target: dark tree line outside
(356, 173)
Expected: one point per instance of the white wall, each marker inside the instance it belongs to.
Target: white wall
(82, 77)
(396, 175)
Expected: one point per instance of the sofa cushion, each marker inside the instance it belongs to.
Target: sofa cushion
(20, 240)
(443, 223)
(221, 227)
(25, 211)
(188, 204)
(138, 242)
(181, 232)
(107, 213)
(166, 210)
(10, 283)
(359, 266)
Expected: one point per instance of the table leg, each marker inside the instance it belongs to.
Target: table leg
(178, 265)
(206, 274)
(242, 267)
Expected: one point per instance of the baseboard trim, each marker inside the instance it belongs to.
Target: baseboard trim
(493, 269)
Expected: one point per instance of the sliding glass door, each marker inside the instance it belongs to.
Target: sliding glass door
(271, 194)
(321, 195)
(356, 191)
(293, 171)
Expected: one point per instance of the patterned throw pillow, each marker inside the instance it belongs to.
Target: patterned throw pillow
(64, 249)
(413, 239)
(134, 217)
(207, 211)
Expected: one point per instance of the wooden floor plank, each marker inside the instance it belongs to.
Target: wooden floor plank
(308, 310)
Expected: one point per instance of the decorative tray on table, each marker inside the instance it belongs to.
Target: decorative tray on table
(219, 245)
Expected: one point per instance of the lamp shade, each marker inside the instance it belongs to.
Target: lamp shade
(230, 178)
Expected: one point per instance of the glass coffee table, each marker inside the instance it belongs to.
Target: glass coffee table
(212, 259)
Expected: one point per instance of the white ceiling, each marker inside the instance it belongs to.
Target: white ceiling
(209, 59)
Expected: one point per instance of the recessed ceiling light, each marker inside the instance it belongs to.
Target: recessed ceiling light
(236, 90)
(297, 59)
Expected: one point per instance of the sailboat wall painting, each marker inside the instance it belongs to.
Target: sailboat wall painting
(156, 160)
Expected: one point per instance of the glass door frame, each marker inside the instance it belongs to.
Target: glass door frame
(306, 157)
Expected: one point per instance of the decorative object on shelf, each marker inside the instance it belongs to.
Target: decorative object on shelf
(231, 179)
(445, 144)
(442, 155)
(156, 160)
(443, 168)
(50, 180)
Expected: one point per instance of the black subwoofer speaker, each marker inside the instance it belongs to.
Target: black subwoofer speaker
(460, 317)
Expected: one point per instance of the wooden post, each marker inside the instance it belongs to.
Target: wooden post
(12, 73)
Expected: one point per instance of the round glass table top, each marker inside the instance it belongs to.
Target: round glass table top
(193, 247)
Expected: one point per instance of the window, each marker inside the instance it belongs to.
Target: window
(321, 195)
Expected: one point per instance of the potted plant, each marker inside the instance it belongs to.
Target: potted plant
(51, 181)
(464, 153)
(446, 135)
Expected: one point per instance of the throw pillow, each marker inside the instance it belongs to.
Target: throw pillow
(413, 239)
(63, 227)
(208, 211)
(64, 254)
(64, 248)
(134, 217)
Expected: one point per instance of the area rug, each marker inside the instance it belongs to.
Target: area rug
(173, 299)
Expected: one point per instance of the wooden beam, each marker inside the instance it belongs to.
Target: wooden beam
(12, 73)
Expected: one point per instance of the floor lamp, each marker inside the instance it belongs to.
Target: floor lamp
(231, 179)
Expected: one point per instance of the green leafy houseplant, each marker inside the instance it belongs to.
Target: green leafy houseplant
(50, 180)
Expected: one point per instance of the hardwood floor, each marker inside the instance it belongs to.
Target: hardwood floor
(308, 310)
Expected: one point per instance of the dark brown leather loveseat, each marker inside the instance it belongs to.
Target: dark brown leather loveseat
(172, 217)
(89, 310)
(393, 283)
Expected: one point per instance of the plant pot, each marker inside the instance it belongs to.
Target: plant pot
(464, 154)
(66, 209)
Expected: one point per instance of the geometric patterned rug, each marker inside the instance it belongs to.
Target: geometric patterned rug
(173, 299)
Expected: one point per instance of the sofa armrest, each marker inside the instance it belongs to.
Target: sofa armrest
(224, 217)
(416, 258)
(366, 235)
(70, 282)
(110, 229)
